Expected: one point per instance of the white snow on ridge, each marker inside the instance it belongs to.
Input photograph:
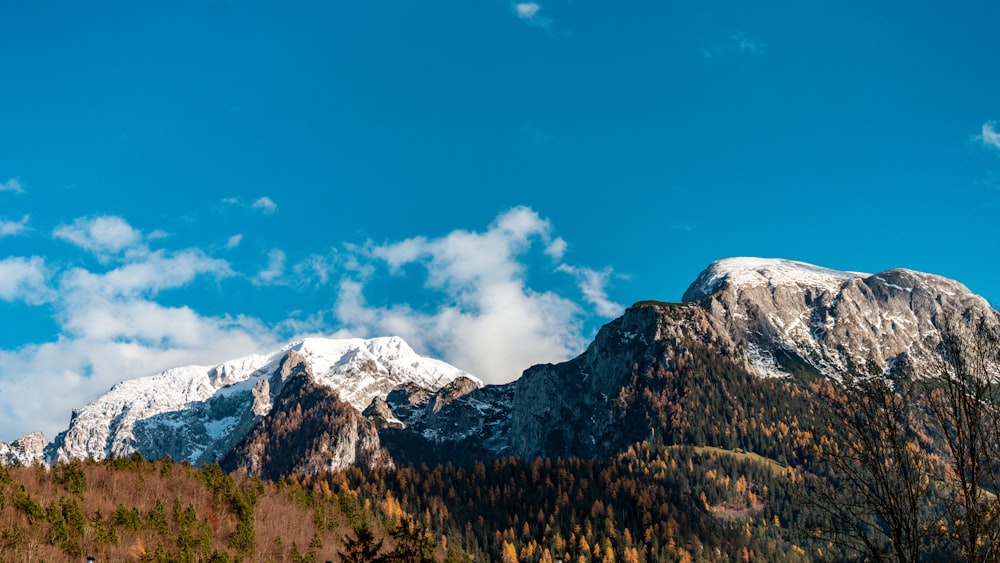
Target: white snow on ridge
(105, 426)
(360, 370)
(357, 369)
(772, 272)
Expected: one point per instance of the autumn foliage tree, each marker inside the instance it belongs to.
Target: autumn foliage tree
(912, 462)
(877, 488)
(965, 402)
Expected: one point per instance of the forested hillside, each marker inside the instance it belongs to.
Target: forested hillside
(653, 503)
(134, 510)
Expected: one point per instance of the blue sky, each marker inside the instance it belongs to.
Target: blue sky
(187, 182)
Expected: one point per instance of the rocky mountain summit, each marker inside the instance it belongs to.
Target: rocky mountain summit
(660, 371)
(836, 322)
(200, 413)
(764, 317)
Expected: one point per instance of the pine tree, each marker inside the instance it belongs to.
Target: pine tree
(363, 548)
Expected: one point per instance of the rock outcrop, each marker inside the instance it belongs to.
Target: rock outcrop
(309, 430)
(26, 450)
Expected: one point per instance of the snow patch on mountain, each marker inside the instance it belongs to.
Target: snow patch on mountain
(763, 360)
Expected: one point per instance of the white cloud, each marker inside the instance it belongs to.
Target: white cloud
(352, 307)
(404, 252)
(11, 228)
(274, 270)
(526, 10)
(490, 322)
(11, 185)
(530, 13)
(154, 273)
(24, 279)
(592, 283)
(316, 269)
(158, 235)
(234, 241)
(465, 259)
(265, 205)
(139, 321)
(990, 137)
(556, 249)
(103, 236)
(111, 326)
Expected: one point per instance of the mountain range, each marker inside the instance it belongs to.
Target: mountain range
(749, 335)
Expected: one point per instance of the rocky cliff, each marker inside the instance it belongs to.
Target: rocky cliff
(309, 429)
(23, 451)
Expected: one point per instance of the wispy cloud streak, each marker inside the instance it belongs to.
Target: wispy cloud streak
(11, 185)
(11, 228)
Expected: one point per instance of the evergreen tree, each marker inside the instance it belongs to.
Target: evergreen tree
(363, 548)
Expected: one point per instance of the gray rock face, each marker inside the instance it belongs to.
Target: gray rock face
(836, 322)
(261, 394)
(381, 415)
(460, 423)
(450, 393)
(309, 430)
(26, 450)
(478, 418)
(580, 407)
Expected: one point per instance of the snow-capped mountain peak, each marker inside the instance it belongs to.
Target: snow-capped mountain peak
(360, 370)
(837, 322)
(196, 412)
(767, 272)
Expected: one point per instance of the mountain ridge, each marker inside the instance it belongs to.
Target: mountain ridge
(834, 321)
(768, 318)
